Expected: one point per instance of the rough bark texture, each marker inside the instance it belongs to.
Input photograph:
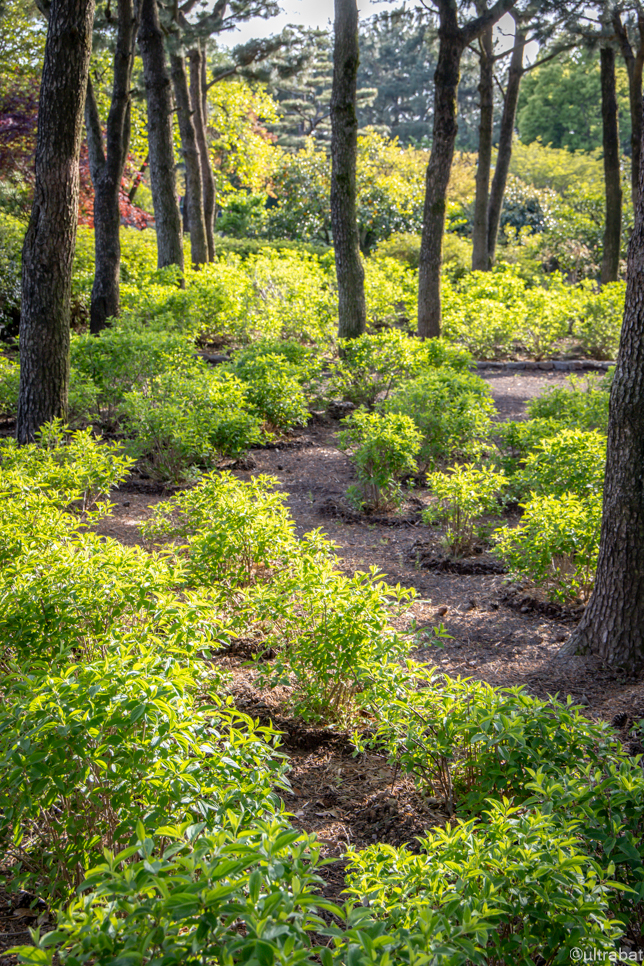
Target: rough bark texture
(634, 61)
(610, 135)
(198, 100)
(439, 168)
(352, 312)
(106, 166)
(190, 151)
(613, 623)
(480, 256)
(506, 133)
(51, 236)
(159, 107)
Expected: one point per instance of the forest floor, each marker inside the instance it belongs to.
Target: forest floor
(505, 634)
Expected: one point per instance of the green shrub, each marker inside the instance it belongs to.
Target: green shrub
(124, 358)
(583, 406)
(383, 448)
(515, 439)
(12, 232)
(391, 293)
(573, 461)
(187, 420)
(183, 894)
(556, 544)
(599, 326)
(82, 399)
(9, 386)
(464, 495)
(403, 248)
(452, 410)
(124, 741)
(273, 390)
(231, 531)
(518, 887)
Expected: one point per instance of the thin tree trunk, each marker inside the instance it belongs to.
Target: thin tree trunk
(612, 626)
(50, 240)
(160, 144)
(634, 66)
(439, 168)
(506, 134)
(197, 60)
(480, 256)
(352, 313)
(610, 132)
(190, 151)
(106, 168)
(131, 195)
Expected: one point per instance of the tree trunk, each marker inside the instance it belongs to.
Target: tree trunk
(613, 623)
(439, 168)
(634, 66)
(199, 102)
(106, 169)
(610, 132)
(190, 151)
(480, 256)
(160, 143)
(352, 313)
(50, 240)
(506, 134)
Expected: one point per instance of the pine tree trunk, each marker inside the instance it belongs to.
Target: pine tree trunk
(439, 168)
(190, 151)
(613, 623)
(161, 148)
(50, 240)
(506, 134)
(199, 103)
(352, 312)
(106, 169)
(612, 176)
(480, 256)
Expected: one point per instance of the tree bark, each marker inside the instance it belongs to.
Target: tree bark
(506, 134)
(161, 148)
(634, 66)
(50, 240)
(612, 175)
(199, 106)
(106, 168)
(439, 168)
(352, 313)
(190, 151)
(480, 256)
(613, 623)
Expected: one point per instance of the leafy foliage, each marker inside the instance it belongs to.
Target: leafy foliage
(383, 449)
(464, 495)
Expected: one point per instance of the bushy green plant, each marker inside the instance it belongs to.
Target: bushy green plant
(464, 494)
(516, 438)
(516, 887)
(12, 232)
(573, 461)
(599, 325)
(452, 410)
(584, 405)
(391, 293)
(230, 530)
(183, 420)
(383, 448)
(9, 386)
(124, 741)
(556, 544)
(273, 390)
(183, 894)
(82, 399)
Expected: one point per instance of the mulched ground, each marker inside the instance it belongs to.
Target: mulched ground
(505, 635)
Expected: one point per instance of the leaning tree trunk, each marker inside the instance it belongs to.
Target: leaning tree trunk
(198, 99)
(159, 103)
(445, 129)
(190, 151)
(506, 134)
(480, 256)
(612, 175)
(50, 240)
(352, 311)
(613, 623)
(106, 168)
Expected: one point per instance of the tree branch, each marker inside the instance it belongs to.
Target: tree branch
(94, 133)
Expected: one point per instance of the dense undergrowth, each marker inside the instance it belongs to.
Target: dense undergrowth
(135, 798)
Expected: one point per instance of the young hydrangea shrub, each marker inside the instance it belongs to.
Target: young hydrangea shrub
(383, 449)
(463, 495)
